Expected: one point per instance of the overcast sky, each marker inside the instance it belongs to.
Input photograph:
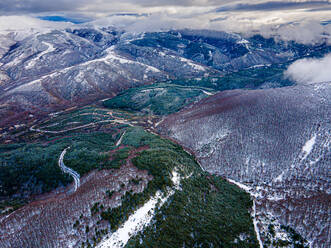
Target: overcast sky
(291, 18)
(105, 7)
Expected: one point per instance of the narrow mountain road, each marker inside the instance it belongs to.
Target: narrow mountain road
(120, 140)
(70, 129)
(120, 121)
(69, 171)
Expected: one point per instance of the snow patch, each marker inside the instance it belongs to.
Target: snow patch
(106, 99)
(158, 123)
(240, 185)
(308, 147)
(275, 197)
(35, 83)
(141, 218)
(245, 43)
(279, 178)
(50, 48)
(207, 93)
(193, 65)
(113, 57)
(16, 61)
(80, 76)
(259, 66)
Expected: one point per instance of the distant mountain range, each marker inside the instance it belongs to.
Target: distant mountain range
(60, 68)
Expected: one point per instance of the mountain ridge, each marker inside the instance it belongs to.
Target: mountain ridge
(92, 64)
(277, 141)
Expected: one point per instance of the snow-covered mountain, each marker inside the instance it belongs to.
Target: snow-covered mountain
(275, 141)
(59, 68)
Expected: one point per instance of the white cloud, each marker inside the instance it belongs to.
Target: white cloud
(309, 71)
(26, 23)
(304, 32)
(301, 25)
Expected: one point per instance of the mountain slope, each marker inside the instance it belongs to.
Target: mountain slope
(159, 99)
(123, 170)
(276, 141)
(61, 68)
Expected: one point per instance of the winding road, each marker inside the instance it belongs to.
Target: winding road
(69, 171)
(120, 121)
(70, 129)
(120, 140)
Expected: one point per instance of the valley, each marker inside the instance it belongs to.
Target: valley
(184, 138)
(116, 178)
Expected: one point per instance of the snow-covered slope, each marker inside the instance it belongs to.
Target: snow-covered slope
(56, 68)
(60, 68)
(277, 141)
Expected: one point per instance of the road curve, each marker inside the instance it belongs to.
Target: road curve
(69, 171)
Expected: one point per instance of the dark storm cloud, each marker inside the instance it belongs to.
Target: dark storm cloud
(273, 5)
